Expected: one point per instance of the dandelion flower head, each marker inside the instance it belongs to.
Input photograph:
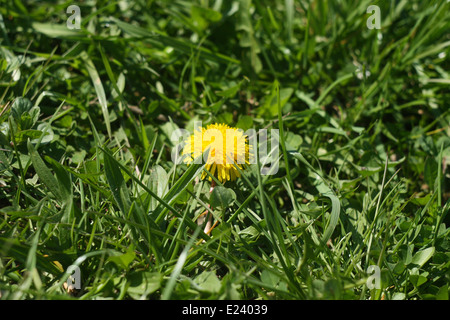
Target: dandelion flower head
(227, 148)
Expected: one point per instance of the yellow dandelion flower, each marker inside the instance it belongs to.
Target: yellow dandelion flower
(228, 147)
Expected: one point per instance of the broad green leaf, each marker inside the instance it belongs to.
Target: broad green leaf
(158, 183)
(185, 195)
(221, 197)
(206, 13)
(270, 105)
(249, 232)
(24, 135)
(20, 106)
(269, 278)
(201, 16)
(123, 260)
(167, 130)
(293, 141)
(398, 296)
(141, 284)
(417, 279)
(443, 293)
(208, 281)
(49, 135)
(44, 173)
(225, 117)
(63, 177)
(28, 118)
(245, 122)
(421, 201)
(333, 289)
(421, 257)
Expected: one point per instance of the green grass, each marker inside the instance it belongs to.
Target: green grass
(87, 179)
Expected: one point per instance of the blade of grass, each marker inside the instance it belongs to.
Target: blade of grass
(44, 172)
(168, 289)
(276, 237)
(160, 40)
(97, 82)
